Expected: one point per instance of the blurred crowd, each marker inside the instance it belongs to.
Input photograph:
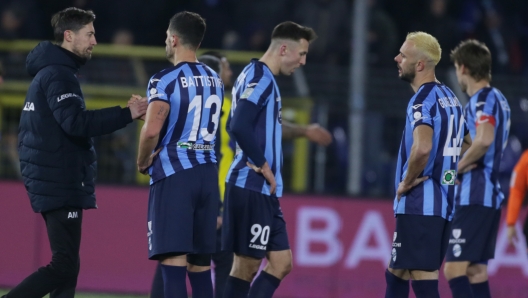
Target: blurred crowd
(246, 24)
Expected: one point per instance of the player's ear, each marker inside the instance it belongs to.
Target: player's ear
(283, 49)
(420, 65)
(175, 40)
(68, 35)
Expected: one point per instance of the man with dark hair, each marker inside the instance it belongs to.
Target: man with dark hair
(57, 157)
(220, 258)
(479, 196)
(181, 122)
(253, 226)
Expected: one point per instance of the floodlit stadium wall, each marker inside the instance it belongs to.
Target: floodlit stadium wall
(340, 247)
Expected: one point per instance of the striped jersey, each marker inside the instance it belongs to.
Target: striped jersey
(257, 85)
(434, 105)
(480, 186)
(195, 94)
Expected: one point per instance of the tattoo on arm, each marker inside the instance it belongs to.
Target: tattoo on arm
(162, 114)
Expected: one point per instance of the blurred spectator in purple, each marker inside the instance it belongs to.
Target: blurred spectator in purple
(383, 36)
(437, 22)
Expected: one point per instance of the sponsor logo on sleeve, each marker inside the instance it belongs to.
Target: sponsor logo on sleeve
(247, 93)
(29, 106)
(66, 96)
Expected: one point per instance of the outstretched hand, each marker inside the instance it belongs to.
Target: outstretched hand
(403, 187)
(267, 173)
(143, 168)
(319, 135)
(133, 102)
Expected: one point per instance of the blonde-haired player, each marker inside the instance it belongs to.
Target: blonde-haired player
(425, 173)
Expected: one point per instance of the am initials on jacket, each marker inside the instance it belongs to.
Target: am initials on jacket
(73, 214)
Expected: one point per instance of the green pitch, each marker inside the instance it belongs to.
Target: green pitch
(91, 295)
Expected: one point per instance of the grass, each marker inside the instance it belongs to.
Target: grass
(91, 295)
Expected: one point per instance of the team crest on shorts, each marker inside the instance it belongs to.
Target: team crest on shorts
(457, 233)
(457, 250)
(449, 177)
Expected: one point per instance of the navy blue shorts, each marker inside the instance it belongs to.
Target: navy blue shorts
(420, 242)
(253, 223)
(474, 234)
(182, 213)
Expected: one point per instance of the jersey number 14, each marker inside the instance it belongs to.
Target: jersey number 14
(456, 148)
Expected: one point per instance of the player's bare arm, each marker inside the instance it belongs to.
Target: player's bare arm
(466, 144)
(313, 132)
(420, 150)
(483, 139)
(156, 115)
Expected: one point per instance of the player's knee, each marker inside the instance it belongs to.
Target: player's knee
(281, 267)
(199, 259)
(453, 270)
(65, 268)
(477, 273)
(287, 268)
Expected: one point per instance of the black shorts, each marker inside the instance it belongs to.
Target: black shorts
(253, 223)
(474, 234)
(420, 242)
(182, 212)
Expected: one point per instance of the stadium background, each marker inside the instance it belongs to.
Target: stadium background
(339, 234)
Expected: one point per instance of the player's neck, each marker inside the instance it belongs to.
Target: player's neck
(271, 62)
(423, 79)
(473, 87)
(183, 55)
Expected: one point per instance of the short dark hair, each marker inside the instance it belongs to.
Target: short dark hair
(293, 31)
(189, 27)
(211, 61)
(70, 19)
(475, 56)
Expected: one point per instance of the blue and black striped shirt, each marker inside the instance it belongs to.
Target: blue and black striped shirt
(436, 106)
(195, 94)
(480, 186)
(257, 85)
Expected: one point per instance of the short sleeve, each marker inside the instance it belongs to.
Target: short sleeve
(156, 90)
(419, 111)
(258, 91)
(485, 109)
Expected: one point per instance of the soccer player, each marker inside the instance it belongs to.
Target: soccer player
(518, 187)
(479, 196)
(432, 141)
(176, 148)
(254, 226)
(57, 157)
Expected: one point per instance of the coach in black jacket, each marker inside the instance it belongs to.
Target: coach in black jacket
(57, 157)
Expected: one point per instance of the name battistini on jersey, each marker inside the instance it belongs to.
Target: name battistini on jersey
(200, 81)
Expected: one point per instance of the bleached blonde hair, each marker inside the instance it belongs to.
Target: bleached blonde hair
(426, 44)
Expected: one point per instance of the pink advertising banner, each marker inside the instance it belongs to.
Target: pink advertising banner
(341, 247)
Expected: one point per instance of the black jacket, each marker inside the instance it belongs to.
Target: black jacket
(57, 158)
